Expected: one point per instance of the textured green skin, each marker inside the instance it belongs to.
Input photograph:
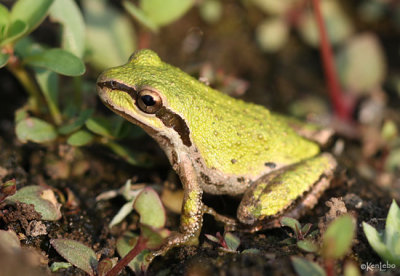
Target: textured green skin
(232, 136)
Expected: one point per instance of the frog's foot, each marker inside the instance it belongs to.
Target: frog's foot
(289, 191)
(230, 223)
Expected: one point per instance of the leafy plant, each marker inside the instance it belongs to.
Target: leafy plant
(228, 242)
(303, 242)
(386, 243)
(336, 242)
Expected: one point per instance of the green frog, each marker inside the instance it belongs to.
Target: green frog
(219, 145)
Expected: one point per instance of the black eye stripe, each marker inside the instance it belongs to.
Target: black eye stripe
(114, 85)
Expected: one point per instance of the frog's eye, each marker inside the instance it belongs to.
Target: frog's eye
(149, 101)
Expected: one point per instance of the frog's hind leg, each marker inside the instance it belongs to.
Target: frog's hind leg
(277, 193)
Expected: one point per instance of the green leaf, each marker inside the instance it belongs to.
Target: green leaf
(32, 12)
(338, 237)
(15, 31)
(125, 210)
(35, 130)
(57, 60)
(4, 19)
(110, 35)
(292, 223)
(392, 229)
(77, 254)
(48, 82)
(232, 241)
(361, 64)
(304, 267)
(80, 138)
(100, 126)
(307, 246)
(161, 12)
(77, 123)
(150, 208)
(130, 156)
(376, 241)
(43, 200)
(68, 14)
(139, 15)
(3, 59)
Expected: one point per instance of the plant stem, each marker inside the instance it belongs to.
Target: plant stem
(29, 85)
(341, 108)
(139, 247)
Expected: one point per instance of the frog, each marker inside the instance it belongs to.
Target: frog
(219, 145)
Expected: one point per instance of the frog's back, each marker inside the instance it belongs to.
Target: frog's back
(233, 136)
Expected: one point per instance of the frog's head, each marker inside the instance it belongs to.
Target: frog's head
(143, 90)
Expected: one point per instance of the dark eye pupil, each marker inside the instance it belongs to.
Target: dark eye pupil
(148, 100)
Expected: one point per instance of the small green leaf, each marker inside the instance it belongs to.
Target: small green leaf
(307, 246)
(3, 59)
(376, 241)
(35, 130)
(212, 238)
(110, 36)
(139, 15)
(392, 229)
(338, 237)
(100, 126)
(125, 210)
(304, 267)
(150, 208)
(77, 123)
(77, 254)
(80, 138)
(4, 20)
(57, 60)
(15, 31)
(125, 244)
(48, 82)
(68, 14)
(43, 200)
(32, 12)
(292, 223)
(232, 241)
(130, 156)
(163, 13)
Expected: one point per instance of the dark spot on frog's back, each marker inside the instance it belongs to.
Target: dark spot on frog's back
(174, 121)
(271, 165)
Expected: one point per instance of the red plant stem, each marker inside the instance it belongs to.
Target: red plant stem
(329, 267)
(139, 247)
(340, 107)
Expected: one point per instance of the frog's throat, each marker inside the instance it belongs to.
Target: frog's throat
(167, 117)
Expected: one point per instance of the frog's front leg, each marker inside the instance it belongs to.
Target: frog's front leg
(289, 191)
(192, 210)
